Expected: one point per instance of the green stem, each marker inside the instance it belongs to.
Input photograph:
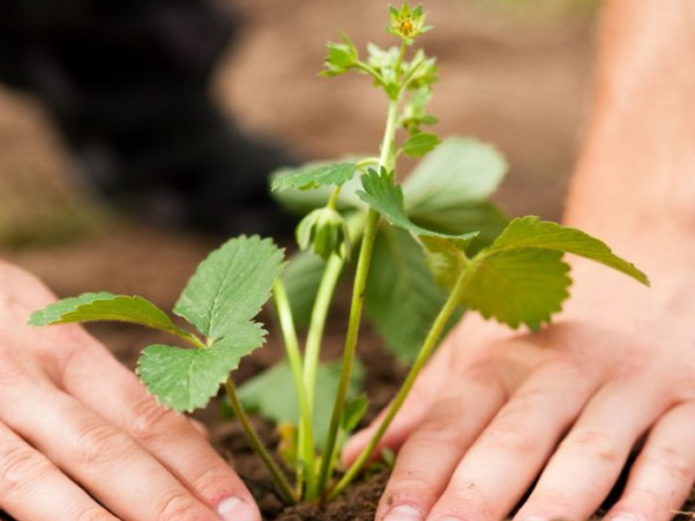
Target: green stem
(279, 477)
(294, 357)
(314, 338)
(431, 341)
(401, 56)
(357, 303)
(333, 200)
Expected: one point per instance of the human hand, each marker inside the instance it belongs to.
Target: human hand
(81, 439)
(495, 409)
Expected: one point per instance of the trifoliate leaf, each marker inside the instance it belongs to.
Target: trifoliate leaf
(302, 278)
(521, 278)
(231, 285)
(305, 178)
(103, 306)
(272, 395)
(459, 171)
(186, 379)
(420, 144)
(386, 197)
(518, 286)
(531, 232)
(402, 298)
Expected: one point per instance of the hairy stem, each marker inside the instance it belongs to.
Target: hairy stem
(284, 487)
(314, 338)
(294, 357)
(431, 341)
(357, 303)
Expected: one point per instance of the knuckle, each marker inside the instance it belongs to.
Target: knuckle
(210, 476)
(674, 461)
(98, 441)
(508, 437)
(20, 466)
(412, 490)
(93, 513)
(151, 419)
(593, 443)
(465, 500)
(437, 431)
(180, 507)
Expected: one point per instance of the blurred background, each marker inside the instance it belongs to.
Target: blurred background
(513, 72)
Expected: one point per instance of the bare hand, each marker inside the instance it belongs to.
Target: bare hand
(80, 438)
(496, 409)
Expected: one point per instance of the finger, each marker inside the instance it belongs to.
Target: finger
(664, 472)
(167, 435)
(588, 462)
(124, 477)
(32, 488)
(412, 412)
(429, 456)
(509, 454)
(200, 428)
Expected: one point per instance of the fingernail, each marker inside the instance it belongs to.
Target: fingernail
(236, 509)
(404, 513)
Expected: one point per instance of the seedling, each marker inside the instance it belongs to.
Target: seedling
(422, 252)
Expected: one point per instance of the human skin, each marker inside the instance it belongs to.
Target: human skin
(615, 373)
(75, 423)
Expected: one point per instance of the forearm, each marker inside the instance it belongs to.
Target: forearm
(635, 181)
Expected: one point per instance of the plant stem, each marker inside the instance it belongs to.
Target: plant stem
(333, 200)
(294, 356)
(431, 341)
(357, 303)
(314, 337)
(279, 477)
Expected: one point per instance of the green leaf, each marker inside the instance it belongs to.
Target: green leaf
(483, 217)
(271, 395)
(420, 144)
(186, 379)
(302, 278)
(531, 232)
(302, 202)
(521, 278)
(445, 259)
(53, 313)
(402, 298)
(460, 171)
(518, 286)
(103, 306)
(386, 197)
(355, 409)
(231, 285)
(305, 178)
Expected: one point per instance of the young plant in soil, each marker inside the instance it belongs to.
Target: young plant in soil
(419, 253)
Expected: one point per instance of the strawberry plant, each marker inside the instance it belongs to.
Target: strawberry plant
(420, 253)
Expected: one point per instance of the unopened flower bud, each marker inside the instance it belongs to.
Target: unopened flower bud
(325, 232)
